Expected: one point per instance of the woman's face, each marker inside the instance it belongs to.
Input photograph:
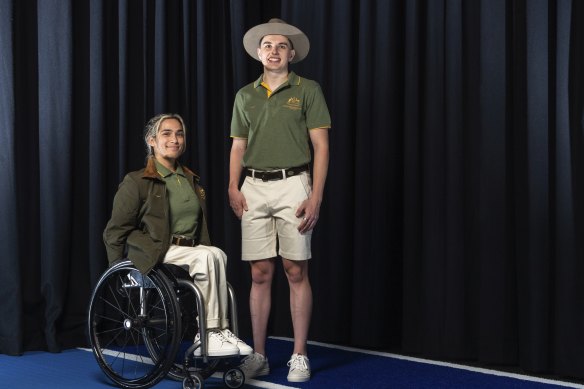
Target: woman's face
(169, 143)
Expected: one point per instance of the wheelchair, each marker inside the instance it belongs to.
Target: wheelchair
(142, 329)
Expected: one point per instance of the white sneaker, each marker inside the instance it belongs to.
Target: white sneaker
(244, 349)
(255, 365)
(299, 368)
(217, 345)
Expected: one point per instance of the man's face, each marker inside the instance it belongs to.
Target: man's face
(169, 142)
(275, 52)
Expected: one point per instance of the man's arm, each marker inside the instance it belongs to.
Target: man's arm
(236, 198)
(309, 210)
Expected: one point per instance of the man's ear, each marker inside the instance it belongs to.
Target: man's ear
(292, 54)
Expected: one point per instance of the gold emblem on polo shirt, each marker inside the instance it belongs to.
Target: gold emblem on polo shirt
(202, 194)
(293, 103)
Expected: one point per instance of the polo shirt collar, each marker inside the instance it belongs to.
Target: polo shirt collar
(293, 79)
(164, 172)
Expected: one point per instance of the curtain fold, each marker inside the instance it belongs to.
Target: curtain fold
(55, 138)
(11, 335)
(90, 114)
(451, 219)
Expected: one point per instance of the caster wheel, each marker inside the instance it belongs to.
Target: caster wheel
(234, 378)
(195, 381)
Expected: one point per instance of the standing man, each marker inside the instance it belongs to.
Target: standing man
(274, 118)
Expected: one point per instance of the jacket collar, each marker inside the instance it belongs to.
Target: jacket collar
(151, 172)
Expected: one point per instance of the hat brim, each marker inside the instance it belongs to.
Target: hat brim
(252, 38)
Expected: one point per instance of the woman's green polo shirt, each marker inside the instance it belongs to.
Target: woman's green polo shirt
(276, 127)
(185, 209)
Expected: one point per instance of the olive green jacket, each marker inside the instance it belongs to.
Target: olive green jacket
(140, 222)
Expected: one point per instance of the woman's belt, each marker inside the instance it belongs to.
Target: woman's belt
(181, 240)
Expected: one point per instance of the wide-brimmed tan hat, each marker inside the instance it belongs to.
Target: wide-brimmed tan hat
(251, 39)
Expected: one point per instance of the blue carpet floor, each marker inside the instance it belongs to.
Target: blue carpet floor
(332, 368)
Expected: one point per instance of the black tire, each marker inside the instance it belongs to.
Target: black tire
(194, 381)
(234, 378)
(120, 328)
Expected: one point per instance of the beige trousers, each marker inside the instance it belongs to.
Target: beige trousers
(206, 265)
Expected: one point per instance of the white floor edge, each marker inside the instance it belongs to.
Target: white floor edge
(446, 364)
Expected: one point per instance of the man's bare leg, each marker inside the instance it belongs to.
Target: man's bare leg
(300, 301)
(260, 301)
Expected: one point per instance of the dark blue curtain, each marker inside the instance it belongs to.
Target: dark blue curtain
(452, 220)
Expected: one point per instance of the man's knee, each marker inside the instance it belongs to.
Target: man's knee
(296, 271)
(262, 271)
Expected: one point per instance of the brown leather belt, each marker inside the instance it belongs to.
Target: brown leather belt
(183, 241)
(275, 175)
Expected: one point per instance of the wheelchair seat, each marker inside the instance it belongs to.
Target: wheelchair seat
(142, 328)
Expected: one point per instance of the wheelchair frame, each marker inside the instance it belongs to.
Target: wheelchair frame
(136, 327)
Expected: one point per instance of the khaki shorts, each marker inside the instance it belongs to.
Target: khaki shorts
(270, 221)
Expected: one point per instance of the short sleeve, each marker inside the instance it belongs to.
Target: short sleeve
(239, 122)
(317, 113)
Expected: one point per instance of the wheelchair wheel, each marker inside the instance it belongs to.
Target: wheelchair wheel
(234, 378)
(195, 381)
(130, 314)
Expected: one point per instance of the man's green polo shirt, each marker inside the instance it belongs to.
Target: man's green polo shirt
(184, 205)
(276, 127)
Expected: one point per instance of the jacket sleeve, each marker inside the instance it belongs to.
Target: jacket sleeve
(124, 219)
(204, 238)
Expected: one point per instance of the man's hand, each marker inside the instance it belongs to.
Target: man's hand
(310, 208)
(236, 198)
(237, 202)
(308, 211)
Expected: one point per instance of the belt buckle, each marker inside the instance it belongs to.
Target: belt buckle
(268, 175)
(179, 238)
(263, 175)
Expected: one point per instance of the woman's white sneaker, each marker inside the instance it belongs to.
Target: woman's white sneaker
(299, 368)
(244, 349)
(217, 345)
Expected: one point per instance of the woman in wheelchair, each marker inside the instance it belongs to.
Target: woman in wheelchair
(159, 216)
